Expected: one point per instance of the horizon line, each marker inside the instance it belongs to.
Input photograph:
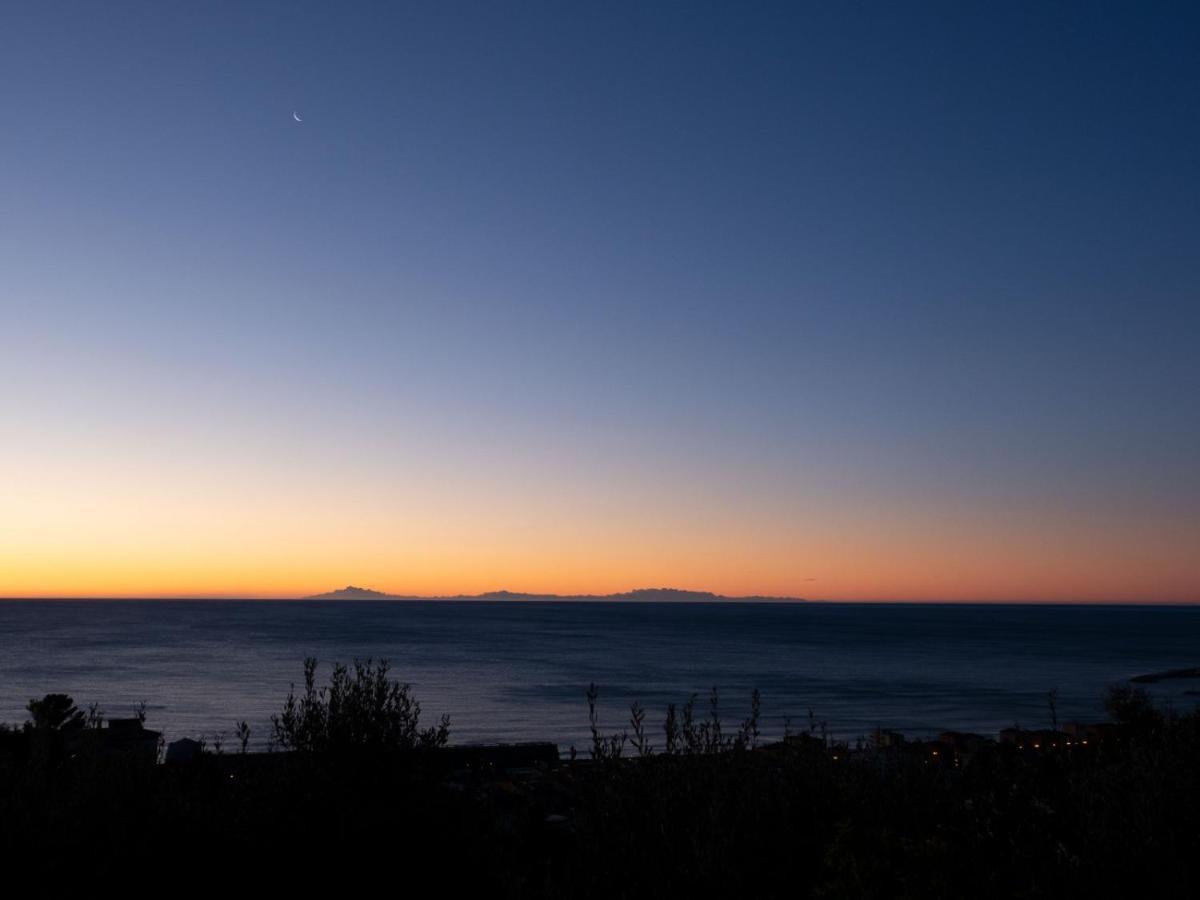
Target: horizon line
(518, 597)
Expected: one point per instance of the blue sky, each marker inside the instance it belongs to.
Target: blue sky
(794, 260)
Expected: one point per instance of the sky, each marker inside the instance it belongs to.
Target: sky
(840, 301)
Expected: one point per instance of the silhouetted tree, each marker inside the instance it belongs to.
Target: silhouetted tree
(55, 712)
(1132, 707)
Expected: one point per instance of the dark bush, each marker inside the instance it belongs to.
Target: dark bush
(360, 708)
(707, 815)
(55, 712)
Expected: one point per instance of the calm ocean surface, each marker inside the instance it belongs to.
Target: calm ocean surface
(518, 670)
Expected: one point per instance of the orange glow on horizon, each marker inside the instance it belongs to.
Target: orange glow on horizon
(188, 527)
(301, 562)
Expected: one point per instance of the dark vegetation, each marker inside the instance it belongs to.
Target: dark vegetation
(363, 710)
(358, 791)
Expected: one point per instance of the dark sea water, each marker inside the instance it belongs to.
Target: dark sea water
(519, 670)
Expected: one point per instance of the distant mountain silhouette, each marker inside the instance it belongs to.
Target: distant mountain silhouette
(668, 594)
(350, 592)
(639, 595)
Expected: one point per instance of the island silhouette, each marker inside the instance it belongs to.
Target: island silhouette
(638, 595)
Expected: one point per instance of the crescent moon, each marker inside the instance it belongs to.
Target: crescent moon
(296, 116)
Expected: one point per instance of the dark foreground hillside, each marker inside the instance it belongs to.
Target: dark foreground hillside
(357, 792)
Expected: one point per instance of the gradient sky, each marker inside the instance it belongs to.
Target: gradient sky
(831, 300)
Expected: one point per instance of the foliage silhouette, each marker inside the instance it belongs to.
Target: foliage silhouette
(56, 712)
(360, 708)
(712, 812)
(682, 736)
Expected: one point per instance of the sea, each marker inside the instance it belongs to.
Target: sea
(509, 671)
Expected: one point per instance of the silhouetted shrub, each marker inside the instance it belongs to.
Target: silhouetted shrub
(706, 816)
(242, 732)
(1132, 707)
(604, 747)
(360, 708)
(682, 736)
(56, 712)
